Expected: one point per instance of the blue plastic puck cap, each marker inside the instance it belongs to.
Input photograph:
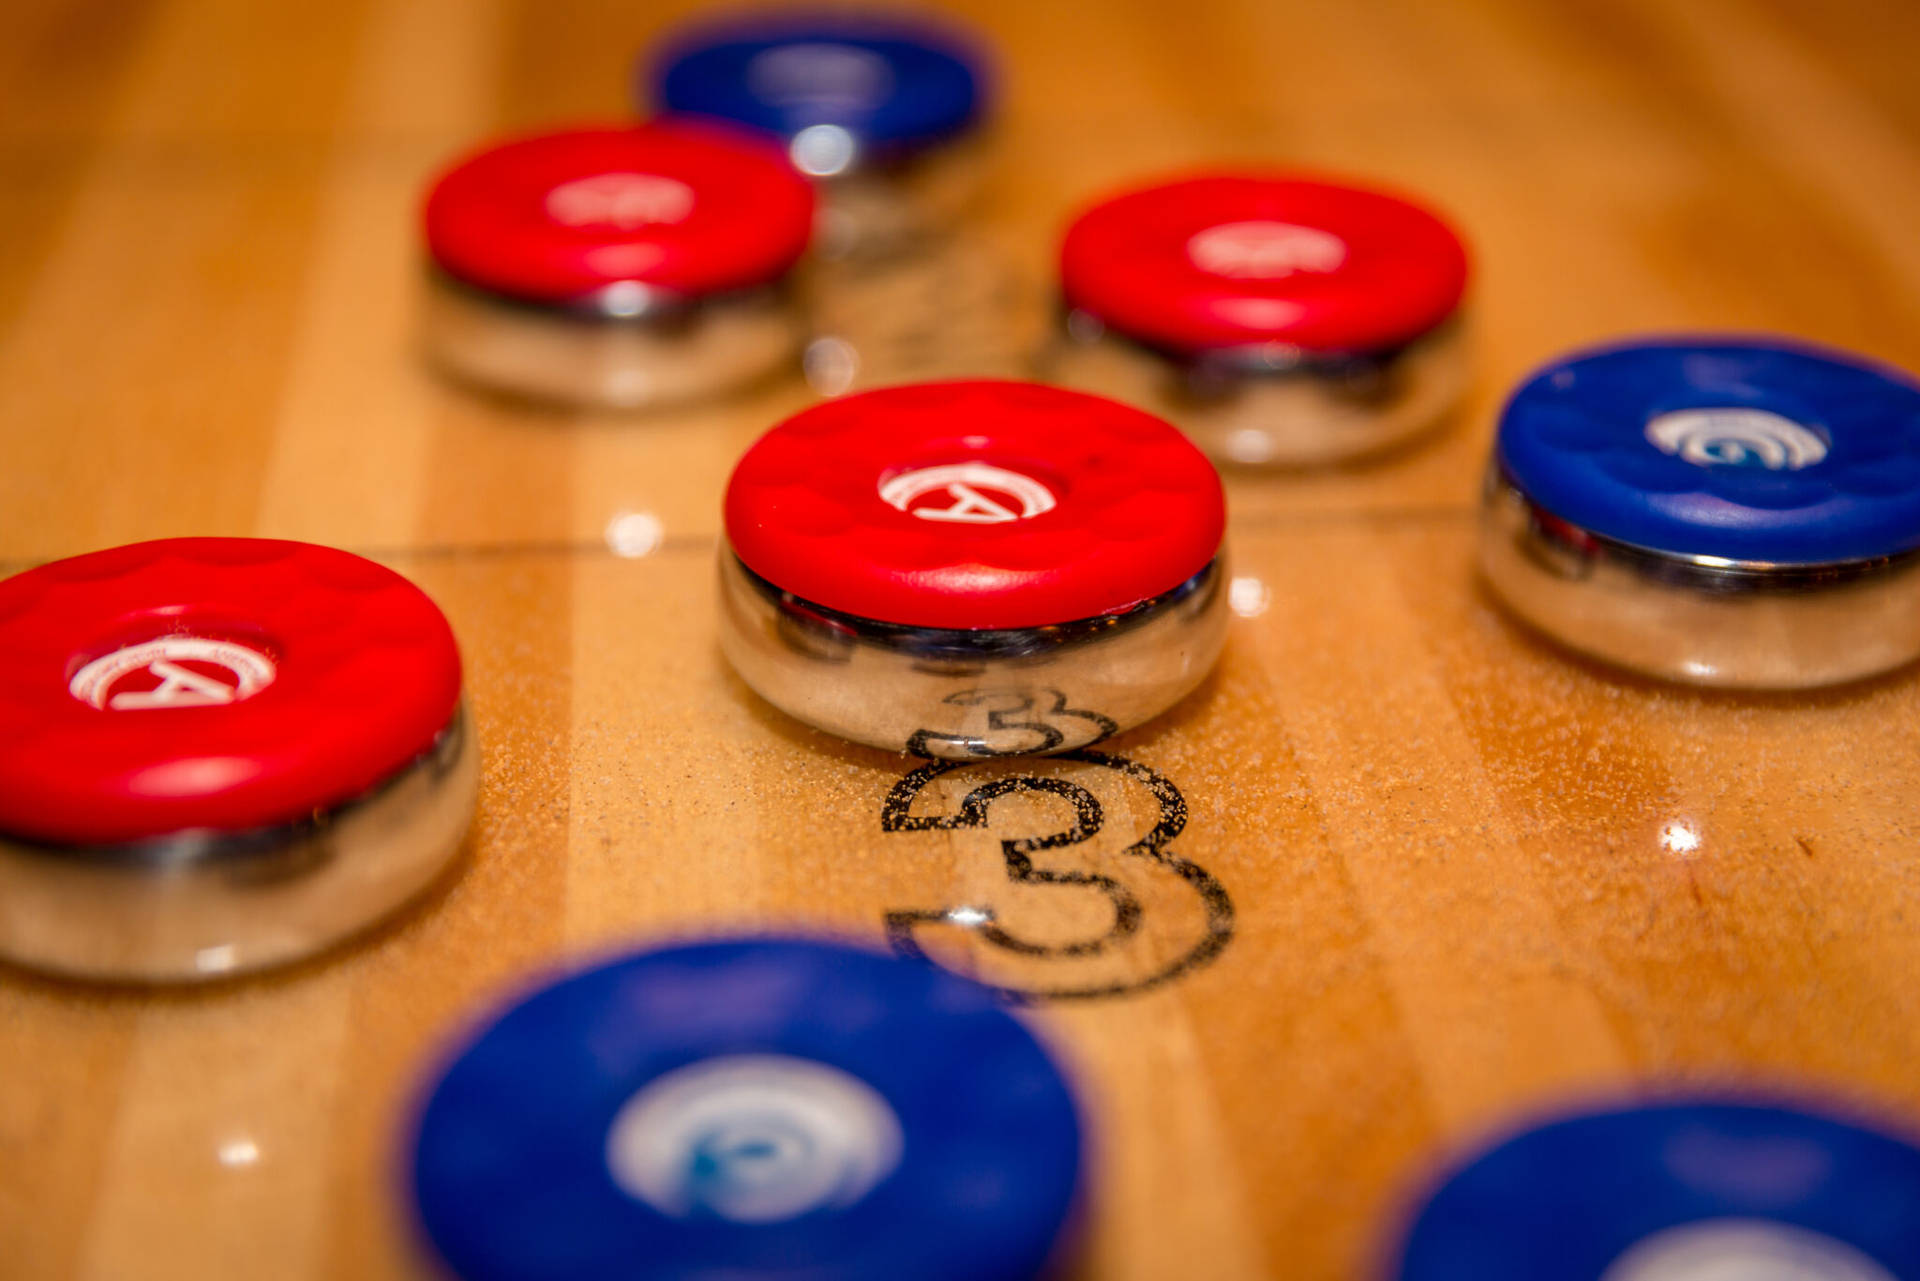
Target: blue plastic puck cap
(1745, 449)
(890, 85)
(749, 1108)
(1676, 1191)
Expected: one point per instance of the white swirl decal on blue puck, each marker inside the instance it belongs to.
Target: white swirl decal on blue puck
(753, 1138)
(1743, 1250)
(820, 75)
(1739, 437)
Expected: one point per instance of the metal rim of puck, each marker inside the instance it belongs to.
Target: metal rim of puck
(748, 1106)
(1278, 407)
(1280, 319)
(973, 568)
(220, 754)
(1741, 512)
(844, 91)
(1680, 1190)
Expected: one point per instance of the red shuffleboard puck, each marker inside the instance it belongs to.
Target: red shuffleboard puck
(1278, 318)
(619, 267)
(217, 754)
(972, 569)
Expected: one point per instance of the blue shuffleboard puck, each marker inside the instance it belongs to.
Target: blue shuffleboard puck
(1740, 512)
(1695, 1191)
(745, 1109)
(894, 83)
(882, 108)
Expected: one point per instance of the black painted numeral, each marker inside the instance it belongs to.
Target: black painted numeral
(1155, 901)
(1019, 722)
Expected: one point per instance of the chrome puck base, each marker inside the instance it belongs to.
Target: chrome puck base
(1700, 620)
(969, 694)
(887, 208)
(606, 358)
(203, 905)
(1278, 409)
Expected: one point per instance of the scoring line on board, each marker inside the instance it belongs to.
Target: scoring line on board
(684, 544)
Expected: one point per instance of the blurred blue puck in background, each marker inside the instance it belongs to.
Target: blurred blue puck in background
(1677, 1192)
(890, 85)
(744, 1109)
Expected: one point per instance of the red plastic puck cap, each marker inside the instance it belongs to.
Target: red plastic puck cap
(1241, 259)
(684, 207)
(975, 505)
(219, 683)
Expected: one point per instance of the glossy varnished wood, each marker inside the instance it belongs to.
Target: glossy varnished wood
(1447, 847)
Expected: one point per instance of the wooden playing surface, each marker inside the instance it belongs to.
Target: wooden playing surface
(1433, 877)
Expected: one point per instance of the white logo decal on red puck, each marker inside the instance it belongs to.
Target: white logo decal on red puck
(968, 493)
(1736, 438)
(753, 1138)
(1265, 250)
(622, 201)
(174, 671)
